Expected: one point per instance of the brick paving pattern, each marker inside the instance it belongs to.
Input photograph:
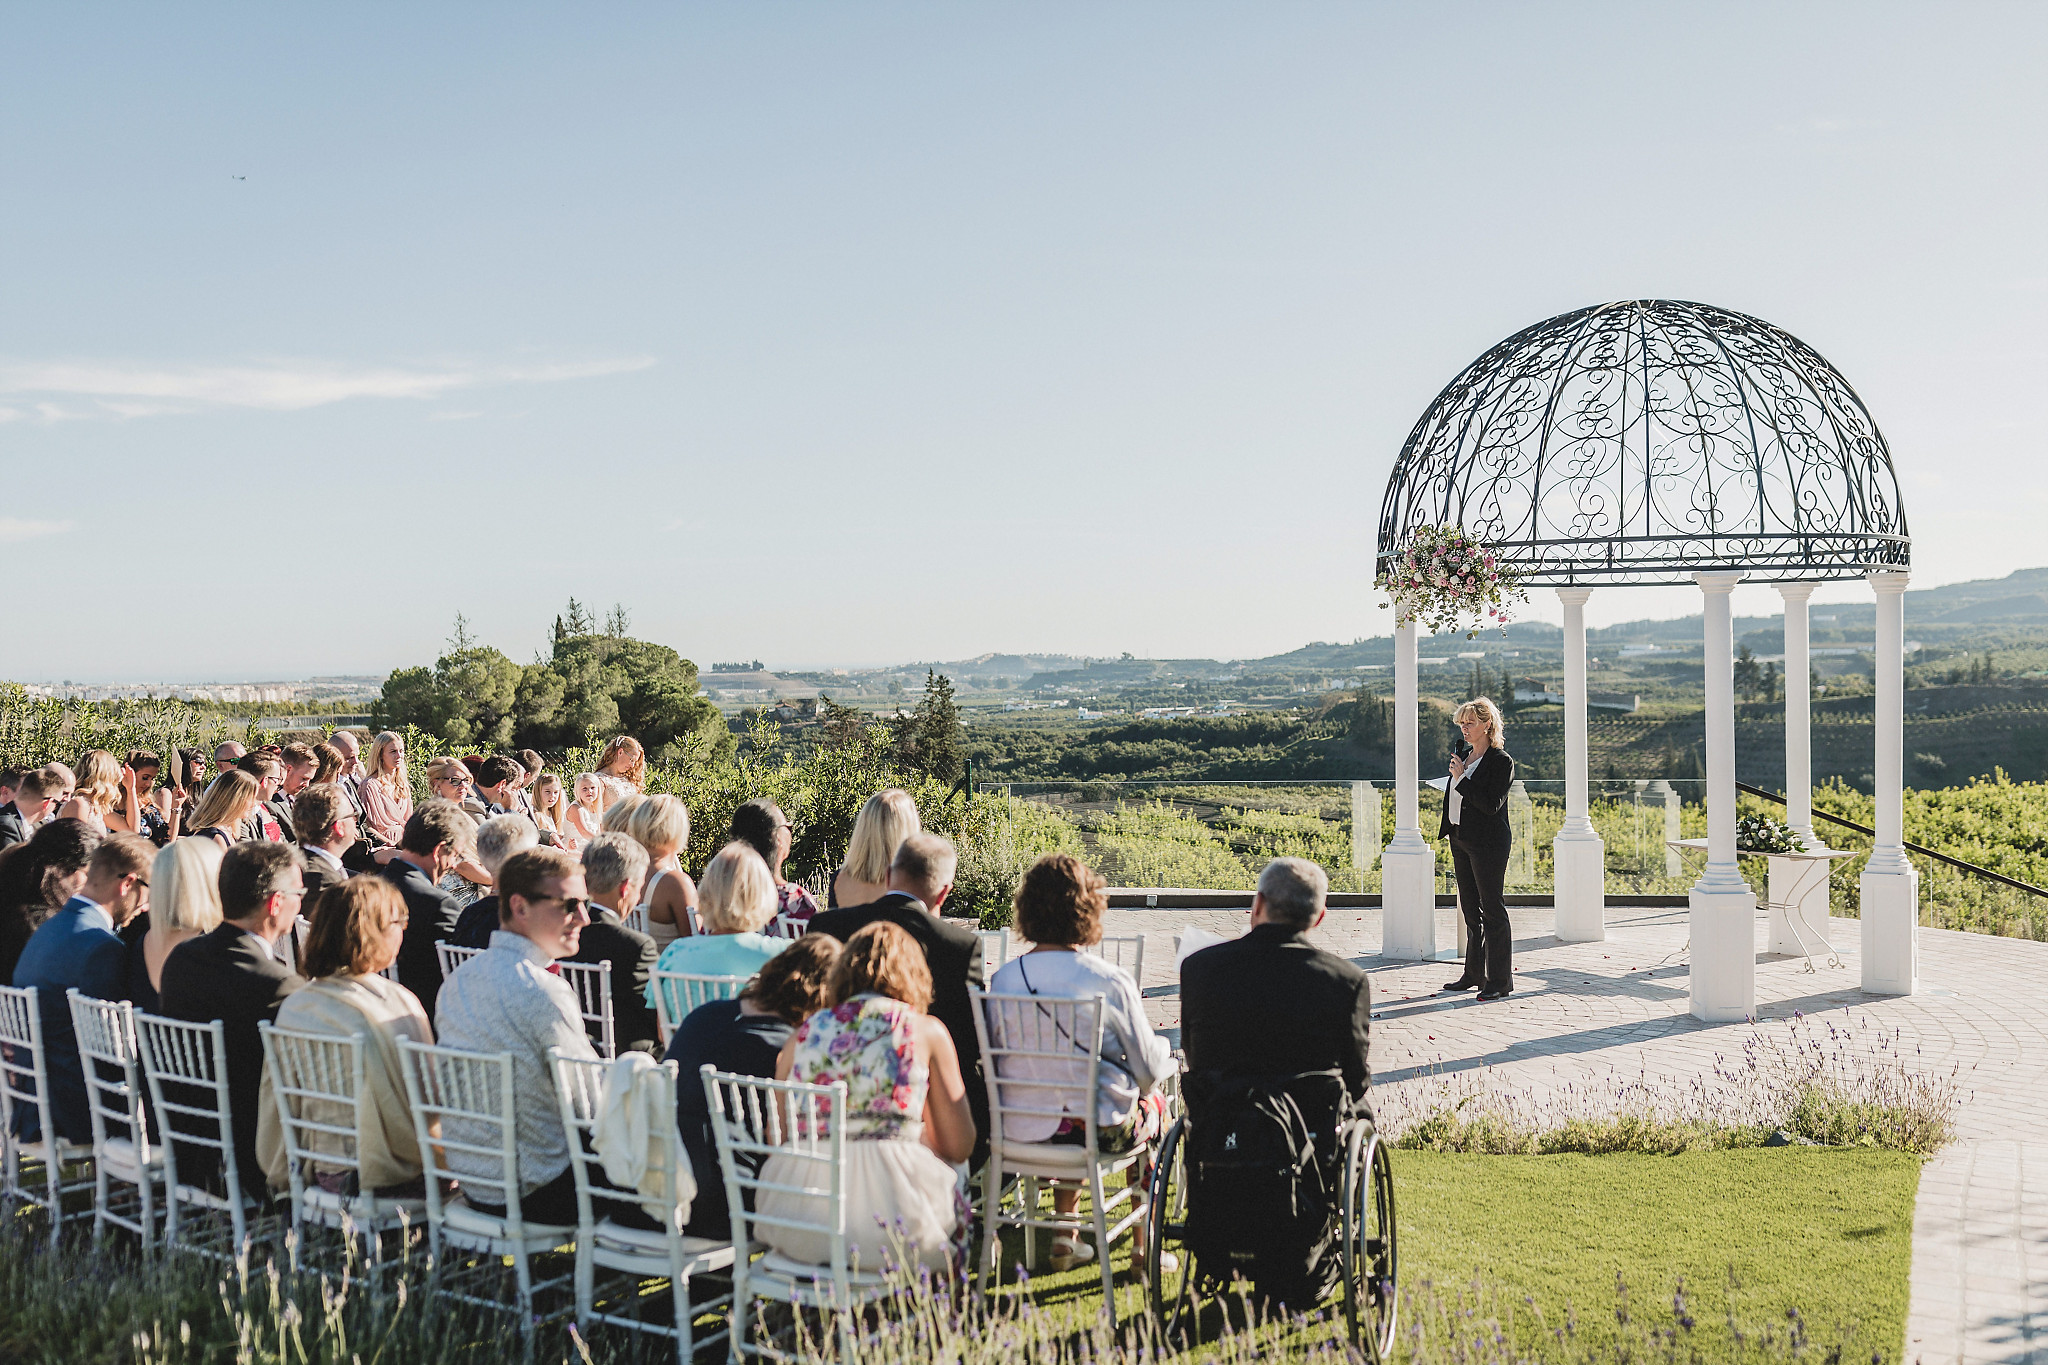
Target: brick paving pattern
(1584, 1012)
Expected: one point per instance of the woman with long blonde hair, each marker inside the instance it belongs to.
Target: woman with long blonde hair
(888, 818)
(661, 825)
(233, 798)
(622, 771)
(387, 791)
(105, 797)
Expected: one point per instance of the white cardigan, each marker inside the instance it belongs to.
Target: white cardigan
(1134, 1058)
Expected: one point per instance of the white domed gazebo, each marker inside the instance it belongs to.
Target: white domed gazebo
(1654, 441)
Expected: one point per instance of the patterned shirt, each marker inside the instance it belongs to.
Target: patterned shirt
(506, 1000)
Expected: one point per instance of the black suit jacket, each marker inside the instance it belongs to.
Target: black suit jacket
(228, 975)
(1273, 1004)
(320, 874)
(431, 918)
(1483, 813)
(632, 956)
(954, 956)
(14, 827)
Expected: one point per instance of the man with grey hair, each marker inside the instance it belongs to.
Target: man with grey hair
(614, 870)
(920, 880)
(497, 839)
(1272, 1013)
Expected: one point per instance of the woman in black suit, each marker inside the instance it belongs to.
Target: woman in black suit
(1475, 820)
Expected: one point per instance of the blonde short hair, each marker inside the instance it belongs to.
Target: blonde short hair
(736, 894)
(888, 818)
(1482, 708)
(448, 768)
(652, 821)
(184, 886)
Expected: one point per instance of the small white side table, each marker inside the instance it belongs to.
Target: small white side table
(1798, 881)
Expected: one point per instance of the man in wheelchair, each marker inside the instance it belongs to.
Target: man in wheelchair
(1274, 1030)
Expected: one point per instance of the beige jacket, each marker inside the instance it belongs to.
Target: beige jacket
(380, 1012)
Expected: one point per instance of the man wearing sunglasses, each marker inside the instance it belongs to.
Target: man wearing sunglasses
(511, 998)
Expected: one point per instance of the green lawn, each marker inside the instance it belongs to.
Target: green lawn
(1826, 1230)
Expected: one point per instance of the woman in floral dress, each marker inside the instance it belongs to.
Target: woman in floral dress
(907, 1124)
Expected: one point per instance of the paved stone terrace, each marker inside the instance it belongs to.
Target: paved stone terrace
(1586, 1011)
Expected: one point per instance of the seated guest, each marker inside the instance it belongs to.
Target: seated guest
(357, 928)
(622, 770)
(762, 824)
(385, 790)
(436, 837)
(661, 824)
(497, 784)
(906, 1123)
(160, 807)
(742, 1037)
(1059, 907)
(613, 867)
(301, 763)
(920, 879)
(184, 902)
(735, 900)
(551, 814)
(235, 975)
(104, 795)
(449, 780)
(497, 839)
(326, 825)
(36, 878)
(80, 946)
(1272, 1004)
(586, 816)
(227, 754)
(328, 765)
(885, 821)
(33, 799)
(233, 801)
(272, 822)
(511, 998)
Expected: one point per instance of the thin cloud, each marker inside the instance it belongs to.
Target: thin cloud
(124, 389)
(14, 528)
(452, 416)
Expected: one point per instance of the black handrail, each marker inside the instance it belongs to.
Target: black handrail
(1912, 847)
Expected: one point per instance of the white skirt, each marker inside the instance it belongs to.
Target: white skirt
(901, 1204)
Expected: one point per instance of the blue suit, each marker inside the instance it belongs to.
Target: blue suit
(77, 946)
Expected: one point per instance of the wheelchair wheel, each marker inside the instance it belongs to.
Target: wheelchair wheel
(1371, 1257)
(1174, 1305)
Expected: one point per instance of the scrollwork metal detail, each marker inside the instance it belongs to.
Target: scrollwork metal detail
(1646, 441)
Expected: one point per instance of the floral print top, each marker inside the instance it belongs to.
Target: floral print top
(794, 901)
(867, 1043)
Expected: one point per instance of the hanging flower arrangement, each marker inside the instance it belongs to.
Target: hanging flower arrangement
(1446, 580)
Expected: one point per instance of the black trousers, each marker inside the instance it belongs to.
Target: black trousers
(1489, 939)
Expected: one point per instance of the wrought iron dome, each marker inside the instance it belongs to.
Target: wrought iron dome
(1644, 441)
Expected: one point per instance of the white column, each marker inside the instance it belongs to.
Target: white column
(1579, 857)
(1891, 884)
(1723, 907)
(1796, 892)
(1408, 867)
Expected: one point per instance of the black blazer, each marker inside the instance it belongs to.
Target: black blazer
(320, 875)
(14, 827)
(954, 956)
(227, 975)
(1483, 817)
(632, 956)
(431, 918)
(1273, 1004)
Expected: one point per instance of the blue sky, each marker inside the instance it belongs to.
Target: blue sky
(861, 334)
